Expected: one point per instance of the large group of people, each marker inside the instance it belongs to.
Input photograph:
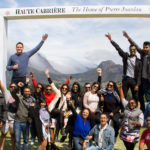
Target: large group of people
(91, 116)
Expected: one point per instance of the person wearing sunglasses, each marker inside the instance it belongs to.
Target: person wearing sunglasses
(145, 138)
(145, 58)
(91, 101)
(111, 104)
(131, 68)
(133, 120)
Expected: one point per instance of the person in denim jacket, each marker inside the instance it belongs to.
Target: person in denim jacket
(102, 134)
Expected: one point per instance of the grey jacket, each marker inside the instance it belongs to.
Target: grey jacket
(22, 106)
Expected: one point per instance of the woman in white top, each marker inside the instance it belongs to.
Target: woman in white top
(91, 101)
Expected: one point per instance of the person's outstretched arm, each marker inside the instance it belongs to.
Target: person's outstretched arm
(132, 42)
(99, 71)
(117, 47)
(124, 101)
(34, 50)
(33, 79)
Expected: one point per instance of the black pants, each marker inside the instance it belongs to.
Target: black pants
(130, 83)
(141, 98)
(59, 116)
(16, 80)
(129, 146)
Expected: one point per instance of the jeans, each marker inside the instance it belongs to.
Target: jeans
(77, 144)
(24, 128)
(94, 148)
(129, 146)
(146, 88)
(32, 131)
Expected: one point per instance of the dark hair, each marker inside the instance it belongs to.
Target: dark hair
(89, 117)
(42, 89)
(47, 86)
(26, 88)
(63, 86)
(104, 114)
(20, 43)
(146, 43)
(79, 89)
(11, 84)
(132, 100)
(96, 83)
(86, 83)
(115, 87)
(132, 45)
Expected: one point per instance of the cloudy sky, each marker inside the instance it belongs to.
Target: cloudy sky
(77, 42)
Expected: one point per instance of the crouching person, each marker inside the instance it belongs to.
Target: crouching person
(102, 134)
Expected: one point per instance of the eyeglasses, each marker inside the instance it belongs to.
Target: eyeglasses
(38, 87)
(12, 86)
(87, 87)
(132, 50)
(48, 89)
(75, 87)
(109, 85)
(64, 88)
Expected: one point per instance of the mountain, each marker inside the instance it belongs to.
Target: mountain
(110, 71)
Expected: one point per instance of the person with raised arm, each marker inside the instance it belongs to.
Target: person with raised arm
(145, 58)
(18, 62)
(131, 68)
(133, 120)
(21, 124)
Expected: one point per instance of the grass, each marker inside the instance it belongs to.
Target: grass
(64, 146)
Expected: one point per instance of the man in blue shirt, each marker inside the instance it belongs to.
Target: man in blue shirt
(18, 63)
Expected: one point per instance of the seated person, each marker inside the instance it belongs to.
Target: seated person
(102, 134)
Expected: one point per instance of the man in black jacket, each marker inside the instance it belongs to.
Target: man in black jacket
(145, 58)
(131, 69)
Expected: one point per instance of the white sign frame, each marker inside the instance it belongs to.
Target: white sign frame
(61, 12)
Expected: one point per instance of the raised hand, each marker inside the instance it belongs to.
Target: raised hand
(15, 67)
(125, 34)
(99, 71)
(108, 36)
(120, 85)
(31, 74)
(20, 84)
(44, 37)
(27, 79)
(47, 73)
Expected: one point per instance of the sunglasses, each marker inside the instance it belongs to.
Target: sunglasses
(48, 89)
(110, 85)
(12, 86)
(75, 87)
(87, 87)
(64, 88)
(132, 50)
(39, 87)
